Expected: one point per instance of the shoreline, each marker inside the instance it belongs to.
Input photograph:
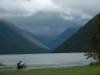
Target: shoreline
(45, 66)
(78, 70)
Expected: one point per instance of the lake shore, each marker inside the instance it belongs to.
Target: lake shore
(45, 66)
(43, 61)
(83, 70)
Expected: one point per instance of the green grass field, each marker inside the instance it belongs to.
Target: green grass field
(87, 70)
(2, 64)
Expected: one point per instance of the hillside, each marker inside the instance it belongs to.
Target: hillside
(16, 41)
(80, 39)
(62, 37)
(47, 27)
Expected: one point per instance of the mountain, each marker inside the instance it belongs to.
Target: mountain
(62, 37)
(14, 40)
(47, 26)
(80, 40)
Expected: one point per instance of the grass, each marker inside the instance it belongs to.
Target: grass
(2, 64)
(87, 70)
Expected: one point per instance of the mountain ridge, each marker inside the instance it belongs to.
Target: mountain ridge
(62, 37)
(80, 39)
(15, 40)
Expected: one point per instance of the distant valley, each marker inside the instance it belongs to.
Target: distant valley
(14, 40)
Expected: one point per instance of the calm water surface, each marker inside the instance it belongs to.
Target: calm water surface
(46, 59)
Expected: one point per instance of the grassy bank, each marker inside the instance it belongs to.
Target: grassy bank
(87, 70)
(2, 64)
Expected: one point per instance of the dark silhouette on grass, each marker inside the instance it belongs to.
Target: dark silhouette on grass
(20, 65)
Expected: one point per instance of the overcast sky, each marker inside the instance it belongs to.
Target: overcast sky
(85, 8)
(69, 10)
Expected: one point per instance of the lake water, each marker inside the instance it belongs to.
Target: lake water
(61, 59)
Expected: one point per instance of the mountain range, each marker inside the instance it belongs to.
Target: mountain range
(14, 40)
(48, 27)
(80, 40)
(62, 37)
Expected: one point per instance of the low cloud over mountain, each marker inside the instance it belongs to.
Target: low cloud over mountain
(48, 17)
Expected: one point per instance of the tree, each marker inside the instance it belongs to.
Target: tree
(93, 50)
(94, 40)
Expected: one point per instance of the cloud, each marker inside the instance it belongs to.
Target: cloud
(85, 9)
(78, 12)
(68, 9)
(25, 7)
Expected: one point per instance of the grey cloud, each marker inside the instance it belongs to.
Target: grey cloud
(26, 6)
(80, 7)
(54, 16)
(72, 8)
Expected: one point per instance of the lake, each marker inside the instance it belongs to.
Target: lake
(56, 59)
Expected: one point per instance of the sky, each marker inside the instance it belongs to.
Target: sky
(74, 11)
